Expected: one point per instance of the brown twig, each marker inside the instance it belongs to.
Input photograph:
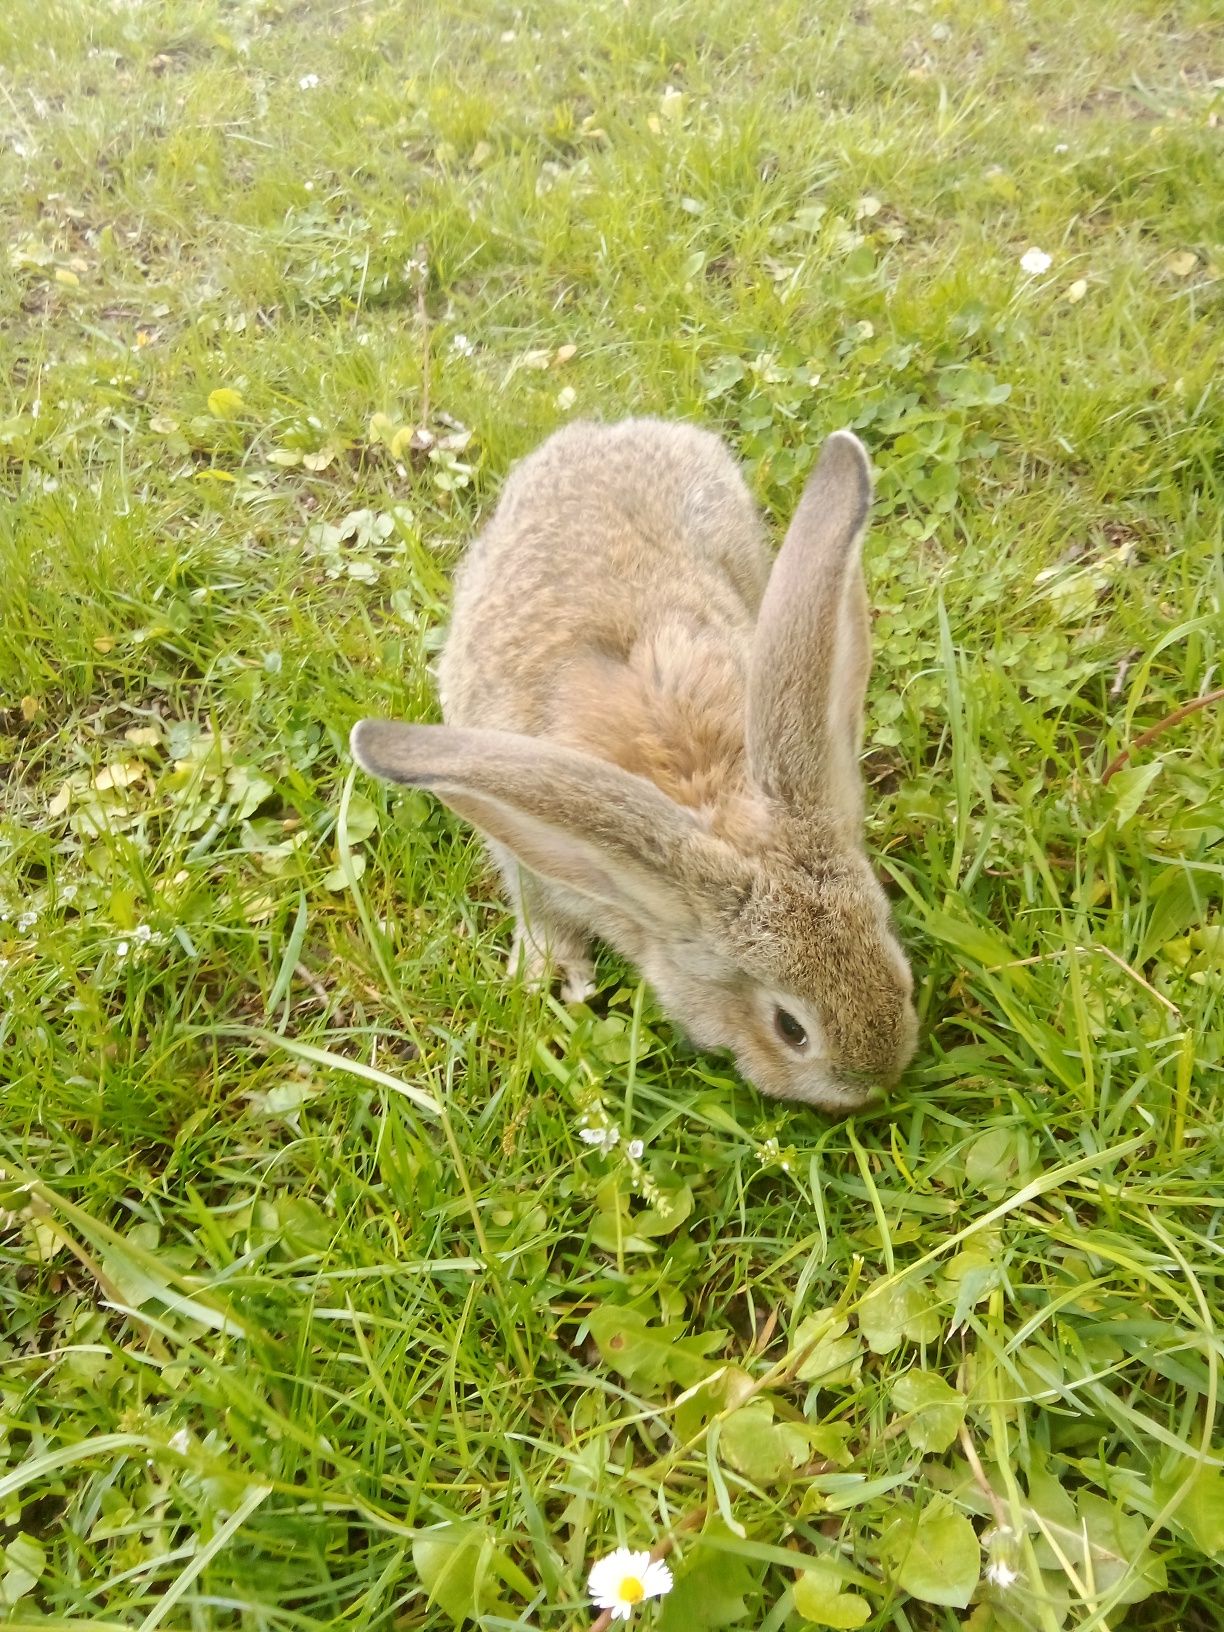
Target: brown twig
(1120, 674)
(764, 1337)
(1154, 731)
(979, 1473)
(316, 985)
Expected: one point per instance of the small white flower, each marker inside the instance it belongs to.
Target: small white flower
(635, 1147)
(308, 82)
(26, 921)
(1035, 261)
(605, 1138)
(1060, 147)
(461, 344)
(122, 950)
(622, 1580)
(180, 1442)
(1001, 1574)
(143, 934)
(68, 893)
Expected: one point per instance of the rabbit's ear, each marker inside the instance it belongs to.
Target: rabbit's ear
(811, 654)
(569, 817)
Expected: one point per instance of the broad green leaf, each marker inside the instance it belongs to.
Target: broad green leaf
(23, 1567)
(1182, 899)
(654, 1354)
(342, 877)
(1202, 1508)
(362, 818)
(970, 1276)
(934, 1554)
(895, 1310)
(721, 376)
(829, 1440)
(225, 403)
(1052, 1511)
(1103, 1542)
(835, 1359)
(1120, 1561)
(761, 1449)
(1202, 1511)
(1000, 1159)
(136, 1277)
(285, 1099)
(617, 1228)
(669, 1211)
(1129, 787)
(711, 1591)
(984, 1617)
(937, 1409)
(247, 789)
(454, 1563)
(819, 1598)
(697, 1407)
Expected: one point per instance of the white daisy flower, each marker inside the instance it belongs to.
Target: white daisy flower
(605, 1138)
(622, 1580)
(1000, 1574)
(1035, 261)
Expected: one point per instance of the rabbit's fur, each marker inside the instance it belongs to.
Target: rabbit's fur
(658, 733)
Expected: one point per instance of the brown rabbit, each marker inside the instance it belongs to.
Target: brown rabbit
(659, 737)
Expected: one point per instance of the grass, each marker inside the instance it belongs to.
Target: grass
(314, 1309)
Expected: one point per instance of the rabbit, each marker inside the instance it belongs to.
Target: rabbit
(658, 734)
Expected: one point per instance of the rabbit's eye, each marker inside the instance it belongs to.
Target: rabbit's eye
(789, 1029)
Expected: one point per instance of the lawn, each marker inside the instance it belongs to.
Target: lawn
(316, 1310)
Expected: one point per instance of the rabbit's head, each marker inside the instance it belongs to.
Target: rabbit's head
(764, 932)
(813, 992)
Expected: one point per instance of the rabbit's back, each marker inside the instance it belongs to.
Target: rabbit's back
(608, 542)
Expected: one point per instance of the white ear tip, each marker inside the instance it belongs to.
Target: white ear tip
(359, 743)
(847, 439)
(845, 448)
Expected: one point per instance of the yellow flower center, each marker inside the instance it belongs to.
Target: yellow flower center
(631, 1590)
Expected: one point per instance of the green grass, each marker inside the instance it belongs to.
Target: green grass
(314, 1309)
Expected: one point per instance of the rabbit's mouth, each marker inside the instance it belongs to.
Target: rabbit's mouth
(859, 1089)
